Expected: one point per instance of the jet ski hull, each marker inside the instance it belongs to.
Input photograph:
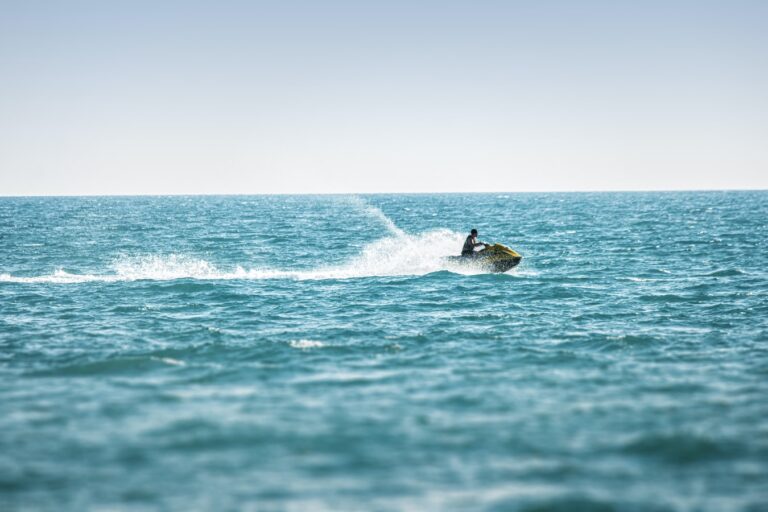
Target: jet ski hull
(494, 258)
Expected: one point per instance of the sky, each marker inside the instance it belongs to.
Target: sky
(255, 97)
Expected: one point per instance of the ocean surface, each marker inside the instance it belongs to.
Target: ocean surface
(317, 353)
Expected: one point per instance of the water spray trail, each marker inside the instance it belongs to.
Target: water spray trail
(402, 255)
(377, 214)
(399, 254)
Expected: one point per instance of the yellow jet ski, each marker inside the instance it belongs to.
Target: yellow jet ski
(495, 258)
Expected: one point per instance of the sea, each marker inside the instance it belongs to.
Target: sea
(320, 353)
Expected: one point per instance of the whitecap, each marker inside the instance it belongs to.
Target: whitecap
(305, 344)
(170, 361)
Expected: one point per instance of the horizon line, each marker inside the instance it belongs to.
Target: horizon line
(241, 194)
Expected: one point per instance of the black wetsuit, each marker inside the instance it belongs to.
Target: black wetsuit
(469, 247)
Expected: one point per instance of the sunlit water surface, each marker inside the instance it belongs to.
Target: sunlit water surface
(318, 353)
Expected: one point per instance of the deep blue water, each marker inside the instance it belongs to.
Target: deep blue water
(317, 353)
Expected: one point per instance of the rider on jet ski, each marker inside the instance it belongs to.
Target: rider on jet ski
(468, 251)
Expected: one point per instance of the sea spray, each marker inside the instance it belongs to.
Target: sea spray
(395, 255)
(376, 213)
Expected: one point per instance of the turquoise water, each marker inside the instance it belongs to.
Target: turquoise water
(317, 353)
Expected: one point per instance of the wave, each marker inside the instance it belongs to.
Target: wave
(683, 448)
(730, 272)
(401, 254)
(112, 366)
(306, 344)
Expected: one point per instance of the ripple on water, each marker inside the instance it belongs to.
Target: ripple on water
(177, 353)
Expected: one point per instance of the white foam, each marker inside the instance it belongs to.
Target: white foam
(155, 267)
(164, 267)
(305, 344)
(59, 276)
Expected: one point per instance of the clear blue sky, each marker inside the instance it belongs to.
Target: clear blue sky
(131, 97)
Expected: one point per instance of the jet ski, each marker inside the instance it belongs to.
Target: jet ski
(495, 258)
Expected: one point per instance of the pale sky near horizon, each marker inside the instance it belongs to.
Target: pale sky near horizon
(203, 97)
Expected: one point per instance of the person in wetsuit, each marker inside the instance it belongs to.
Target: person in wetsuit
(468, 251)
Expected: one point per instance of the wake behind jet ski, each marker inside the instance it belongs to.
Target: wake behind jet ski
(492, 258)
